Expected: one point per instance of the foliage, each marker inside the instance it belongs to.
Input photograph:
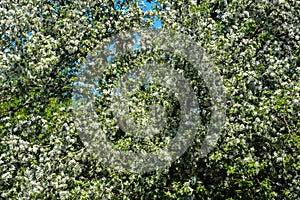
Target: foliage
(254, 44)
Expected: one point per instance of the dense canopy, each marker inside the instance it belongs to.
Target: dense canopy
(255, 46)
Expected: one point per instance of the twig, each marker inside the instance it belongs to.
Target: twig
(286, 124)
